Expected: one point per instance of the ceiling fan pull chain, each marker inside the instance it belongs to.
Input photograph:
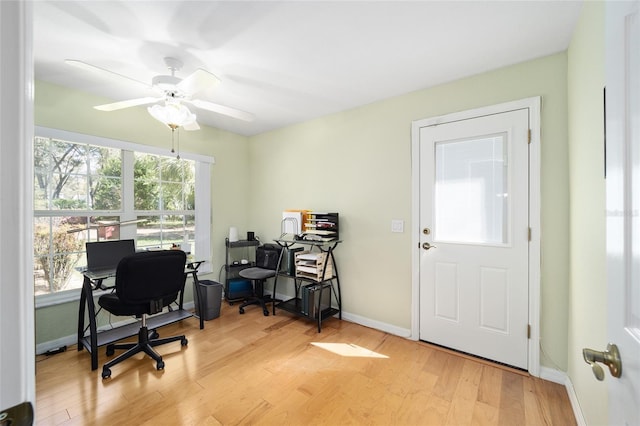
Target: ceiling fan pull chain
(178, 155)
(172, 143)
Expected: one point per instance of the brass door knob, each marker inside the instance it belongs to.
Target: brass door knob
(610, 358)
(427, 246)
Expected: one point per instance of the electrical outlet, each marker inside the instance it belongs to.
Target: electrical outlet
(397, 225)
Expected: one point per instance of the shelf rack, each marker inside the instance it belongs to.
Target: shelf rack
(327, 283)
(232, 271)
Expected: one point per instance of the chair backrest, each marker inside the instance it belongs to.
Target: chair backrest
(151, 276)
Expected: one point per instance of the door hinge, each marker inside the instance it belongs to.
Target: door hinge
(529, 234)
(528, 331)
(529, 136)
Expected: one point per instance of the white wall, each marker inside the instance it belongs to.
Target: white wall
(588, 295)
(17, 357)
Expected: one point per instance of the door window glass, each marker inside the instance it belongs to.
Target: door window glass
(472, 191)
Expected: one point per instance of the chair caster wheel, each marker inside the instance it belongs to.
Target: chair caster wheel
(160, 365)
(266, 313)
(154, 335)
(184, 342)
(241, 310)
(110, 350)
(106, 373)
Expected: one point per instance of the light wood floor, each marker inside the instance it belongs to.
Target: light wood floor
(251, 369)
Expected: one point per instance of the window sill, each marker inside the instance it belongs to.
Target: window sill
(60, 298)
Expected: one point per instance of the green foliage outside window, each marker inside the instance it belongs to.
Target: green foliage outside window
(106, 187)
(73, 182)
(57, 267)
(163, 183)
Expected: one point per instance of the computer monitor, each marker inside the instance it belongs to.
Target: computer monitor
(107, 254)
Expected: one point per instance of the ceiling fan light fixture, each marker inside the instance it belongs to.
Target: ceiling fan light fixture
(173, 114)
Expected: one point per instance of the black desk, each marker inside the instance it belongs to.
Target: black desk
(94, 281)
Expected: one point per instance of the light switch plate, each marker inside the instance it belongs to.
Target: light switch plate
(397, 225)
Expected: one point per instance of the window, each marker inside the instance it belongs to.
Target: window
(94, 189)
(164, 200)
(472, 191)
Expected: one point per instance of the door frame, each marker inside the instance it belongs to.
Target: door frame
(533, 105)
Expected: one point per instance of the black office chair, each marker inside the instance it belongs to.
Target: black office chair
(146, 282)
(267, 259)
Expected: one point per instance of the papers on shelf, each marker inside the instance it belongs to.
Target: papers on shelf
(319, 232)
(312, 257)
(316, 237)
(308, 269)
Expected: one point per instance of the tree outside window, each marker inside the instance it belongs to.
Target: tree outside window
(79, 194)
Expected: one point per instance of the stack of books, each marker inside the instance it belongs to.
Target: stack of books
(309, 299)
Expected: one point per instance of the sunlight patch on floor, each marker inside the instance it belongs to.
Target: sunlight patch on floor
(348, 349)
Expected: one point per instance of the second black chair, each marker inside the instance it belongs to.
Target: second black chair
(267, 260)
(146, 282)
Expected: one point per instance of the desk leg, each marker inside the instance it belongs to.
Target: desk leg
(83, 300)
(275, 286)
(93, 330)
(86, 298)
(196, 289)
(275, 278)
(335, 274)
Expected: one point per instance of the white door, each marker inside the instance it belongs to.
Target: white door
(623, 206)
(474, 207)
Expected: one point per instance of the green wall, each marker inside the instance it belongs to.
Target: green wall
(588, 290)
(60, 108)
(358, 163)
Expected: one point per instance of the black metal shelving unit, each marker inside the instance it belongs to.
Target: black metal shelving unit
(297, 305)
(232, 269)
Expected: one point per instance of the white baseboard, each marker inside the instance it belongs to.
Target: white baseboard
(367, 322)
(561, 378)
(555, 376)
(71, 340)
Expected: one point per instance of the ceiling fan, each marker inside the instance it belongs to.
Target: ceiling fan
(174, 91)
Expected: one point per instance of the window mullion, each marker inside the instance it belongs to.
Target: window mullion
(128, 213)
(203, 211)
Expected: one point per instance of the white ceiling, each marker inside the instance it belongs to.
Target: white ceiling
(287, 62)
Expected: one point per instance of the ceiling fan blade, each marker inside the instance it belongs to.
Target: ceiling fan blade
(192, 126)
(110, 74)
(126, 104)
(221, 109)
(197, 81)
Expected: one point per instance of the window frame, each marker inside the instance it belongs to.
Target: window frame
(202, 239)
